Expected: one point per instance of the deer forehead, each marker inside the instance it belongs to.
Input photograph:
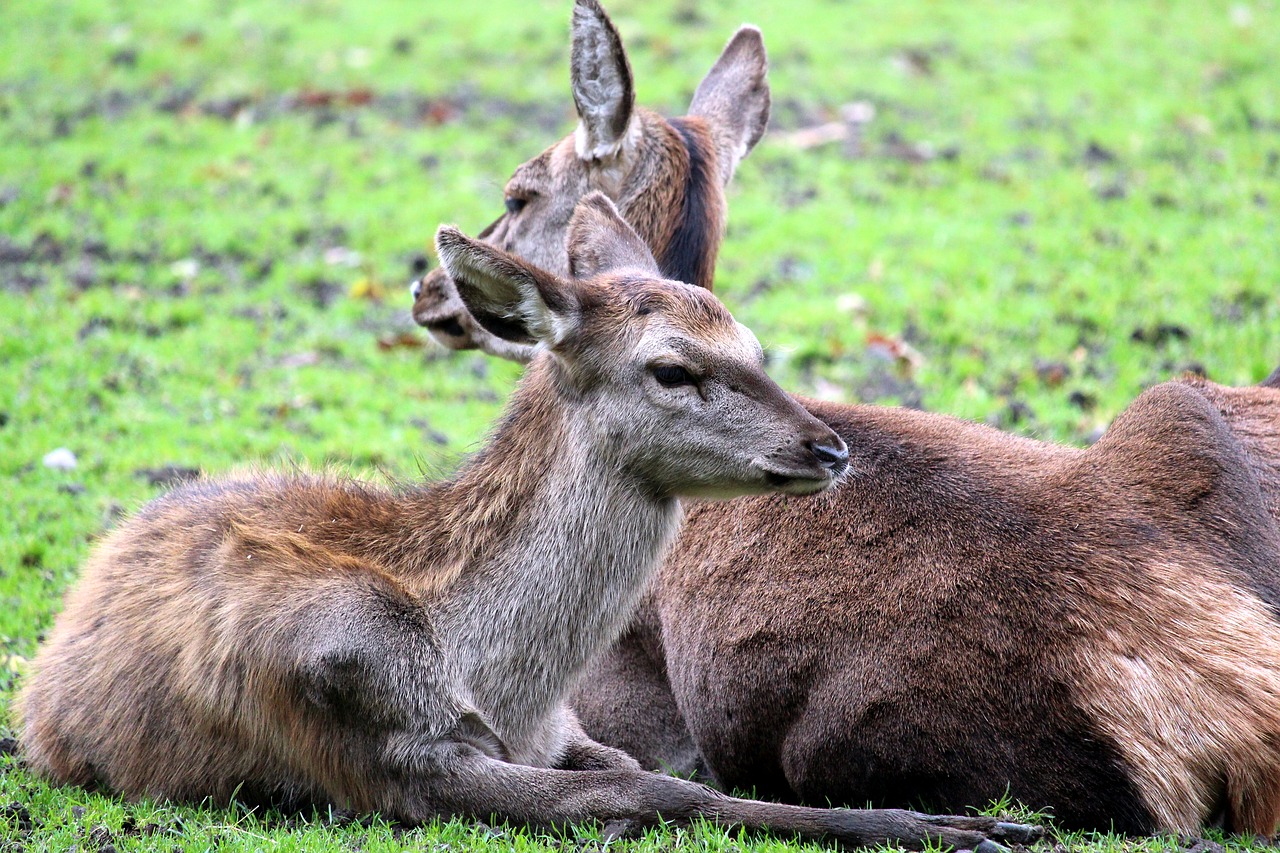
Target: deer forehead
(685, 321)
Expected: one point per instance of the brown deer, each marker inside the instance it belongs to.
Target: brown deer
(1090, 631)
(666, 177)
(304, 638)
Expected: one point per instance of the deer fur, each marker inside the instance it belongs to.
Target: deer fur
(1090, 631)
(649, 166)
(305, 639)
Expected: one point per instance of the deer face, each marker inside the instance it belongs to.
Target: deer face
(661, 377)
(539, 200)
(631, 155)
(687, 398)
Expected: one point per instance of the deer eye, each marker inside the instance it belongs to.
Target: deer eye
(515, 204)
(672, 375)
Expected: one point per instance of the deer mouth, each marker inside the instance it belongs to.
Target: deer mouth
(447, 329)
(799, 482)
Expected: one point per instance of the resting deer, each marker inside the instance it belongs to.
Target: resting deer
(666, 177)
(306, 638)
(972, 613)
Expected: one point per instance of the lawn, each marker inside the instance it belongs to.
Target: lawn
(209, 212)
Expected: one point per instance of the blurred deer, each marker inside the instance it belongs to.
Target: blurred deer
(303, 638)
(971, 614)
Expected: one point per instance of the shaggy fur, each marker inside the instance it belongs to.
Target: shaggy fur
(972, 614)
(300, 639)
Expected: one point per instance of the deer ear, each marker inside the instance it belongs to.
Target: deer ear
(602, 86)
(510, 298)
(600, 240)
(734, 98)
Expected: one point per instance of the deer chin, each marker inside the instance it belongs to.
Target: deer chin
(799, 482)
(445, 328)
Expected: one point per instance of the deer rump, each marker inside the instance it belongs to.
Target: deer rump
(974, 615)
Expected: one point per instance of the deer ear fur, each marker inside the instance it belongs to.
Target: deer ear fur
(600, 240)
(509, 297)
(734, 98)
(602, 86)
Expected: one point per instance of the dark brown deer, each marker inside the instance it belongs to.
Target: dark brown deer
(1090, 631)
(305, 638)
(666, 177)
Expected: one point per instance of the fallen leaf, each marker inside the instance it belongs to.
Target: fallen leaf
(894, 349)
(366, 288)
(403, 340)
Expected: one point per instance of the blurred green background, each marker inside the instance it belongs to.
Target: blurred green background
(1023, 213)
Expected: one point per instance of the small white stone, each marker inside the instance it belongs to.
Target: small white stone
(61, 459)
(341, 255)
(185, 268)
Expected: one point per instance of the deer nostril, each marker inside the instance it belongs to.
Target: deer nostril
(831, 455)
(415, 288)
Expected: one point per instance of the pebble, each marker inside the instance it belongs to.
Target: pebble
(61, 459)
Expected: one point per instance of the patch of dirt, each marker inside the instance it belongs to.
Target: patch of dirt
(168, 475)
(327, 106)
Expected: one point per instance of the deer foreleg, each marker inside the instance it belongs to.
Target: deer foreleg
(458, 780)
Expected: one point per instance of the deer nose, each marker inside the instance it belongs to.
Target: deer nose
(415, 288)
(831, 453)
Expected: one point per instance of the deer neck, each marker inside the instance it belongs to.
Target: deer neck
(554, 544)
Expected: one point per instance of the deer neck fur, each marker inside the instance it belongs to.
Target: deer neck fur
(545, 527)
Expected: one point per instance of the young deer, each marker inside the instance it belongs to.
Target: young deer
(666, 177)
(973, 614)
(309, 639)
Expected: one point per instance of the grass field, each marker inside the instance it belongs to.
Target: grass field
(209, 211)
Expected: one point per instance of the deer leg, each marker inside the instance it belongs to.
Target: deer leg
(625, 700)
(457, 780)
(583, 753)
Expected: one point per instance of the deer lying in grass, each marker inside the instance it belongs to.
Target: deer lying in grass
(303, 638)
(666, 177)
(971, 614)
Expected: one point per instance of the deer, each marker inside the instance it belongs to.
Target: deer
(666, 177)
(304, 638)
(1092, 631)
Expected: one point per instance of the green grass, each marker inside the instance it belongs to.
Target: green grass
(1055, 206)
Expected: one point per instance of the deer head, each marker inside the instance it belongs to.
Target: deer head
(666, 177)
(670, 384)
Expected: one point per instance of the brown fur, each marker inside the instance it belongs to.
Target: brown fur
(972, 613)
(667, 177)
(1092, 631)
(299, 639)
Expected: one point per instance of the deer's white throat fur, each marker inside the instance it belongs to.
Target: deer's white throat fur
(585, 539)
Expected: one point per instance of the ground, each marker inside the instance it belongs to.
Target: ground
(1018, 213)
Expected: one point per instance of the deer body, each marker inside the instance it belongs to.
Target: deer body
(204, 565)
(1090, 631)
(970, 614)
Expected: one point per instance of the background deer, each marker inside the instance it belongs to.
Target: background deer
(666, 177)
(310, 639)
(1091, 630)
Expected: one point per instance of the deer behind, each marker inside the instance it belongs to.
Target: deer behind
(973, 614)
(666, 177)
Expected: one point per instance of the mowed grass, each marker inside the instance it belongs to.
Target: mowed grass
(208, 212)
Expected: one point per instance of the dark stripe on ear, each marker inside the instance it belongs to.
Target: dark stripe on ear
(690, 255)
